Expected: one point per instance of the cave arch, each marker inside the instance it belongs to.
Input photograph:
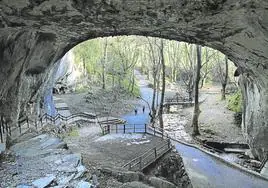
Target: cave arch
(34, 34)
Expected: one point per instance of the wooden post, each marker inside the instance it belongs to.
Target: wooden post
(9, 127)
(35, 124)
(27, 119)
(140, 163)
(6, 128)
(20, 127)
(3, 125)
(41, 121)
(155, 153)
(124, 128)
(168, 143)
(1, 135)
(145, 128)
(109, 130)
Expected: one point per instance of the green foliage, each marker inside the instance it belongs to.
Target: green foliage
(73, 133)
(235, 102)
(126, 85)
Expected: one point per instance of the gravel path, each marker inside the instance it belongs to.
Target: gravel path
(216, 121)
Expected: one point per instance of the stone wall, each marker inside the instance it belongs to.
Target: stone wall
(171, 167)
(35, 34)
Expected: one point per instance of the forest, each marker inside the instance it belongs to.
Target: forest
(111, 62)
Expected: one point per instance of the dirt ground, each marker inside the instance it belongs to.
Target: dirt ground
(215, 121)
(100, 102)
(113, 150)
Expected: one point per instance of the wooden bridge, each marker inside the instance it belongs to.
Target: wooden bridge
(177, 101)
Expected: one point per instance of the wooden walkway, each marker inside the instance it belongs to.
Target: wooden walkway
(178, 101)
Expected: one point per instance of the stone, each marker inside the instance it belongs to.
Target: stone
(43, 182)
(160, 183)
(172, 169)
(24, 186)
(122, 175)
(67, 168)
(95, 182)
(65, 180)
(81, 171)
(83, 184)
(135, 184)
(74, 159)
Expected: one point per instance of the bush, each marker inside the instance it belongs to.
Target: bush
(235, 102)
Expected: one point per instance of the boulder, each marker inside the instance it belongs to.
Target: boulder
(43, 182)
(135, 184)
(160, 183)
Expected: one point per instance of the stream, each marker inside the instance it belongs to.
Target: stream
(204, 170)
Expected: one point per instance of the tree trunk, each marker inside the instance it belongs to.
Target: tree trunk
(225, 80)
(196, 90)
(161, 123)
(133, 82)
(104, 63)
(153, 100)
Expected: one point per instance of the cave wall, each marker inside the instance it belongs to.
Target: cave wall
(34, 34)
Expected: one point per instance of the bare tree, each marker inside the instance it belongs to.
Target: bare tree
(155, 73)
(161, 123)
(104, 62)
(187, 70)
(197, 110)
(222, 72)
(224, 80)
(207, 65)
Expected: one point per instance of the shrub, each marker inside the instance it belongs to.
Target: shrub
(235, 102)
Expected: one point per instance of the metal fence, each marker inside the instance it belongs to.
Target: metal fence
(147, 158)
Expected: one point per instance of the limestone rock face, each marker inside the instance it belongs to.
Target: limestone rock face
(34, 34)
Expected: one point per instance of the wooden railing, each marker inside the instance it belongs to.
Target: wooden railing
(147, 158)
(7, 129)
(60, 117)
(177, 99)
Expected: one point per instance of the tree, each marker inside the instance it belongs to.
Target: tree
(154, 59)
(104, 62)
(207, 65)
(161, 123)
(224, 80)
(221, 71)
(187, 69)
(196, 91)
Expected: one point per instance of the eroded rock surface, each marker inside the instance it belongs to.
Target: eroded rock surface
(35, 34)
(43, 161)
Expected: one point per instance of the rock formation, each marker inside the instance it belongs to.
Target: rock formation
(34, 34)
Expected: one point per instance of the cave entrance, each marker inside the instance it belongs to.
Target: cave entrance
(103, 75)
(35, 34)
